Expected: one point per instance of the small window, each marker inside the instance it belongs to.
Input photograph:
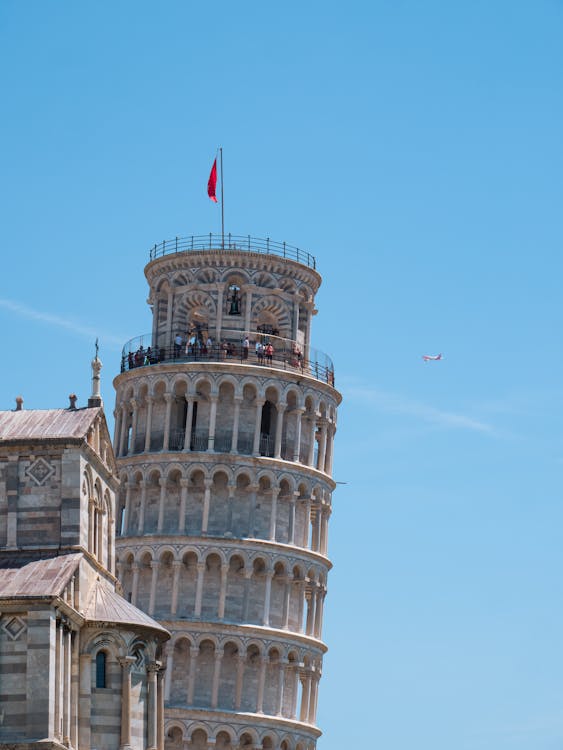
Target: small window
(100, 669)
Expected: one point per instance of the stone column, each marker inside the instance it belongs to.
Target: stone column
(319, 613)
(84, 702)
(116, 434)
(212, 424)
(133, 407)
(273, 513)
(189, 420)
(152, 705)
(160, 708)
(279, 428)
(297, 444)
(177, 567)
(291, 530)
(148, 428)
(312, 432)
(162, 503)
(325, 515)
(236, 418)
(75, 676)
(219, 319)
(313, 698)
(208, 483)
(100, 536)
(142, 506)
(296, 677)
(91, 522)
(261, 681)
(247, 309)
(169, 398)
(329, 449)
(301, 604)
(127, 511)
(168, 673)
(256, 447)
(154, 580)
(199, 589)
(123, 430)
(267, 597)
(223, 592)
(286, 604)
(306, 683)
(247, 577)
(216, 676)
(281, 681)
(230, 501)
(194, 654)
(134, 582)
(252, 489)
(295, 317)
(169, 320)
(307, 522)
(67, 668)
(126, 663)
(183, 500)
(239, 681)
(59, 680)
(322, 446)
(317, 526)
(311, 606)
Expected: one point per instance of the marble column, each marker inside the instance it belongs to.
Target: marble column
(297, 443)
(126, 663)
(148, 427)
(169, 398)
(152, 705)
(133, 406)
(257, 424)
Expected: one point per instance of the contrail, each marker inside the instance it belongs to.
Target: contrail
(55, 320)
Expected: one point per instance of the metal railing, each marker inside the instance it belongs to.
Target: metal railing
(235, 242)
(285, 355)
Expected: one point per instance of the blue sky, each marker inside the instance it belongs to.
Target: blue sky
(415, 149)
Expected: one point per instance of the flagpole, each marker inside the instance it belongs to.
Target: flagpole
(222, 205)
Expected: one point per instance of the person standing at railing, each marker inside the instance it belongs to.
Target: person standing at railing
(269, 353)
(177, 345)
(245, 347)
(259, 352)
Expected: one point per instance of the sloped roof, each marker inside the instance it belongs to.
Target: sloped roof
(39, 578)
(106, 605)
(42, 424)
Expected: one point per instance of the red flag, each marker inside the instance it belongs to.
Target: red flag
(212, 182)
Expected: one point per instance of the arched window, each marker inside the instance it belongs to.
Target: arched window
(101, 669)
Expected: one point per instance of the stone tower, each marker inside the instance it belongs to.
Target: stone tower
(225, 421)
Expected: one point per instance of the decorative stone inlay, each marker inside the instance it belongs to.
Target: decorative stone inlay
(40, 470)
(14, 627)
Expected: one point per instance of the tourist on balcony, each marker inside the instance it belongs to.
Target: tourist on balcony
(245, 347)
(259, 352)
(269, 353)
(177, 345)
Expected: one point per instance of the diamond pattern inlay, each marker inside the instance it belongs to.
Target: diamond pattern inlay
(14, 627)
(40, 470)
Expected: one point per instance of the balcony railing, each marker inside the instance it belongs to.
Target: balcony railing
(231, 242)
(142, 351)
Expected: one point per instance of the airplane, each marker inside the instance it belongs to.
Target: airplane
(431, 358)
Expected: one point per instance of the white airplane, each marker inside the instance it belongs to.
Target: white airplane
(431, 357)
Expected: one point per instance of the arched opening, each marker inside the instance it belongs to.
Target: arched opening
(101, 669)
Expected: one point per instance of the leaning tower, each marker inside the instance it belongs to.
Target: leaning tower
(225, 422)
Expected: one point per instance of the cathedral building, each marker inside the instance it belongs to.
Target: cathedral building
(80, 667)
(225, 422)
